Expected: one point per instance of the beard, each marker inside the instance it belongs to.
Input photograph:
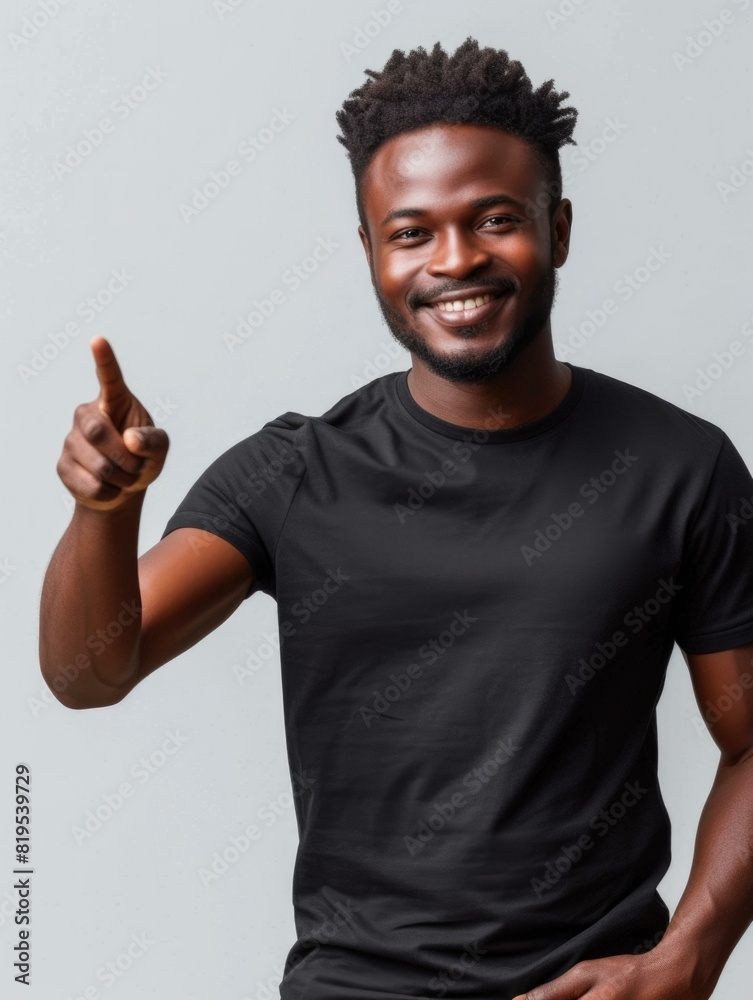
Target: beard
(475, 367)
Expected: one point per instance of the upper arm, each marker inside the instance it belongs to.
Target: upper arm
(723, 686)
(190, 581)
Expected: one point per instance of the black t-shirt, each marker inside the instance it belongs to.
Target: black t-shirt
(475, 627)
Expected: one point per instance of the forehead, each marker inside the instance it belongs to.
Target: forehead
(445, 164)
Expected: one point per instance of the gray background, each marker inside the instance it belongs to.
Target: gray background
(685, 126)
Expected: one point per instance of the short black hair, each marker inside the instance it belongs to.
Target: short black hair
(472, 86)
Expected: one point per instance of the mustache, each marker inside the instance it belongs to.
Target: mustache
(500, 286)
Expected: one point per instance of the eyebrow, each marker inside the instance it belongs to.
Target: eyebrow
(487, 202)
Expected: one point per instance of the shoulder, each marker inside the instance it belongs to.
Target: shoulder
(668, 426)
(291, 435)
(347, 414)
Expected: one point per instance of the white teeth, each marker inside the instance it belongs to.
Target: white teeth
(459, 304)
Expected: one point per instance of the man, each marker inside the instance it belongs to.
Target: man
(481, 566)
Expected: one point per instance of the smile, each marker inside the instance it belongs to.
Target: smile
(458, 304)
(468, 311)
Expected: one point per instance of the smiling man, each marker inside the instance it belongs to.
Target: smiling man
(481, 567)
(452, 222)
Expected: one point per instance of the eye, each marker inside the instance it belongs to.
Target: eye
(502, 219)
(405, 232)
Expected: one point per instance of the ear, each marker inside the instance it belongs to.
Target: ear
(561, 228)
(366, 245)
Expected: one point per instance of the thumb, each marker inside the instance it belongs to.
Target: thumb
(145, 440)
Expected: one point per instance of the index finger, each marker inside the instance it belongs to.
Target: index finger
(111, 383)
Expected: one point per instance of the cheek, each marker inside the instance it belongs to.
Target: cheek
(393, 276)
(529, 258)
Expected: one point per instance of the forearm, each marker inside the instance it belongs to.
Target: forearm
(90, 611)
(716, 907)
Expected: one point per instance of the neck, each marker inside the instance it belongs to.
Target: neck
(533, 385)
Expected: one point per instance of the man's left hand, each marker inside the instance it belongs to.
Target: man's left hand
(649, 976)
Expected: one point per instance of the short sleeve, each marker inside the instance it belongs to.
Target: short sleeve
(245, 494)
(714, 605)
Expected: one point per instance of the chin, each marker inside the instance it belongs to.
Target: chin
(469, 367)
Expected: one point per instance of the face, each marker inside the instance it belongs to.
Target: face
(463, 268)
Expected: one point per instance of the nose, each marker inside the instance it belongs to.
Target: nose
(457, 253)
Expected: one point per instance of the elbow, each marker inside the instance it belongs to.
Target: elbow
(77, 694)
(97, 700)
(70, 701)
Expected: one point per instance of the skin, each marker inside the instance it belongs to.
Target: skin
(191, 581)
(446, 247)
(178, 591)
